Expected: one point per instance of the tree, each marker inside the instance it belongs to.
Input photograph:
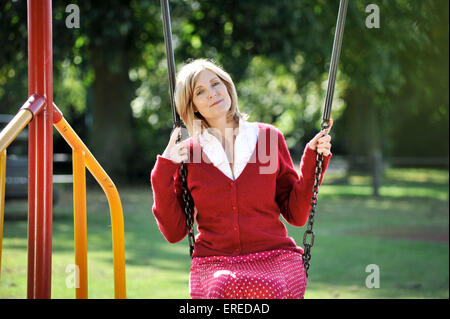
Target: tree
(116, 61)
(105, 47)
(103, 50)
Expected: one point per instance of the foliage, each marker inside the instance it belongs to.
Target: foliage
(391, 80)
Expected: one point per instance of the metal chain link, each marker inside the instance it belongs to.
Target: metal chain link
(309, 229)
(325, 124)
(188, 203)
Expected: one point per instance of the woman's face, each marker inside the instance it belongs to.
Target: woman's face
(211, 96)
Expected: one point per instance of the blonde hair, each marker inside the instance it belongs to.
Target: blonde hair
(184, 89)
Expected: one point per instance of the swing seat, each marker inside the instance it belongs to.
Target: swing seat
(277, 274)
(256, 286)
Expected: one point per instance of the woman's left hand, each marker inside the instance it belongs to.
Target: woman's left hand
(322, 141)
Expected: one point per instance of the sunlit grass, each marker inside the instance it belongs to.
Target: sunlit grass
(404, 232)
(417, 175)
(393, 191)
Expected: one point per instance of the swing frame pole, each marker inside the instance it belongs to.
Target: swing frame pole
(40, 150)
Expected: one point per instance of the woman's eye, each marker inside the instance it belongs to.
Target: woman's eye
(216, 83)
(199, 92)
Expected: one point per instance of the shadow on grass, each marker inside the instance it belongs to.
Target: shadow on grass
(351, 233)
(144, 244)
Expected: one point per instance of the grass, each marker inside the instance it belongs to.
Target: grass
(404, 233)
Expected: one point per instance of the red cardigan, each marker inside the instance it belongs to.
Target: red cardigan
(241, 216)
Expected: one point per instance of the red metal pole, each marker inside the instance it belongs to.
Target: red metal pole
(40, 150)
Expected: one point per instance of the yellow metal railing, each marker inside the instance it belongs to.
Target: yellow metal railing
(2, 199)
(82, 158)
(14, 127)
(7, 135)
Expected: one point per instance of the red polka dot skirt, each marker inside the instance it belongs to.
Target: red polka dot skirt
(275, 274)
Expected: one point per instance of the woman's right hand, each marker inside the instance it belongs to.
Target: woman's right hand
(176, 152)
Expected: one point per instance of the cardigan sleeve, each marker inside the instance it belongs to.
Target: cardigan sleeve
(168, 200)
(294, 192)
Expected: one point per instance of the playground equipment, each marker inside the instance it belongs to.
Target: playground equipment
(40, 114)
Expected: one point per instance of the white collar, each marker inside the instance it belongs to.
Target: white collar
(244, 146)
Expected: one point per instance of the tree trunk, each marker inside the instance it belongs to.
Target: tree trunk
(111, 128)
(363, 139)
(355, 120)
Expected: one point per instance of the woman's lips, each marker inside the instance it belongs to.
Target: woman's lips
(217, 102)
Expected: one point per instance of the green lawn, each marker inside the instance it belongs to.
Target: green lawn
(404, 233)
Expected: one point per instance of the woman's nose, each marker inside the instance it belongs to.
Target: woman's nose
(212, 93)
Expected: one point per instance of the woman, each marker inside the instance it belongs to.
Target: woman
(241, 178)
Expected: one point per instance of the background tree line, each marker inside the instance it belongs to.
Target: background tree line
(110, 75)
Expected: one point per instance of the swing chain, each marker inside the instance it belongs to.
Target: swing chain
(188, 201)
(309, 229)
